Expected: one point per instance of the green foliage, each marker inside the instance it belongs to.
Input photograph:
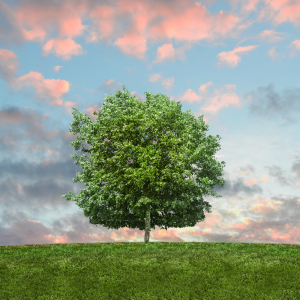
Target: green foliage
(162, 164)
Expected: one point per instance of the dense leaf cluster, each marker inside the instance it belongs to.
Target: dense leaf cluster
(161, 165)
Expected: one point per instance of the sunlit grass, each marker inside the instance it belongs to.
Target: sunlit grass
(150, 271)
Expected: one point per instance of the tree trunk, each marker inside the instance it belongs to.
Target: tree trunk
(147, 227)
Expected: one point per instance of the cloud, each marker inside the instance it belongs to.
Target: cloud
(8, 66)
(10, 31)
(266, 104)
(56, 68)
(52, 89)
(167, 52)
(231, 58)
(63, 48)
(132, 24)
(35, 20)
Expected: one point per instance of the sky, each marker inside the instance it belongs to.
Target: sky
(236, 62)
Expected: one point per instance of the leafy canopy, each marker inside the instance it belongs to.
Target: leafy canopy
(161, 164)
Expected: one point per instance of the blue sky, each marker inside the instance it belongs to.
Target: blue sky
(236, 62)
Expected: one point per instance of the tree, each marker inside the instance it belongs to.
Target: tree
(161, 164)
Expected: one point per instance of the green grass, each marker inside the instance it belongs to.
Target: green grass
(150, 271)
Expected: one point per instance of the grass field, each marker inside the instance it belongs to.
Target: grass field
(150, 271)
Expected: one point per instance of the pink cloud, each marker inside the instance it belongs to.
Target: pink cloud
(295, 44)
(165, 51)
(168, 52)
(216, 103)
(288, 10)
(184, 21)
(203, 87)
(255, 181)
(41, 18)
(36, 22)
(63, 48)
(103, 18)
(250, 6)
(191, 97)
(132, 44)
(56, 68)
(168, 83)
(281, 11)
(271, 35)
(231, 58)
(8, 65)
(211, 221)
(192, 23)
(154, 77)
(278, 237)
(265, 206)
(72, 27)
(52, 88)
(45, 88)
(213, 105)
